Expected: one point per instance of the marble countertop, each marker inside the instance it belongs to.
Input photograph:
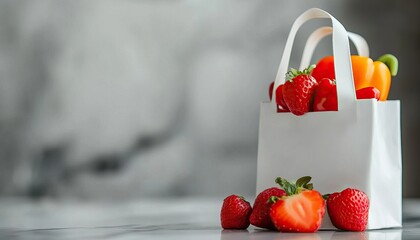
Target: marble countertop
(189, 218)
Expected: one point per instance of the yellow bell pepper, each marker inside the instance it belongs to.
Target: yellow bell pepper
(367, 73)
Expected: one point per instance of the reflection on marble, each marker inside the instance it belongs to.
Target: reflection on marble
(332, 235)
(157, 219)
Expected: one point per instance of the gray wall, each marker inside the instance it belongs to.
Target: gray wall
(121, 99)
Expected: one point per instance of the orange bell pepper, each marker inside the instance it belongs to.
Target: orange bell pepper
(366, 72)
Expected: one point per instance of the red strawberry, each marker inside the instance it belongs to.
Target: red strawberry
(235, 213)
(349, 209)
(260, 216)
(298, 90)
(301, 210)
(281, 105)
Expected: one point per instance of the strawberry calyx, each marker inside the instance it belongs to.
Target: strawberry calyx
(294, 72)
(300, 185)
(241, 197)
(274, 199)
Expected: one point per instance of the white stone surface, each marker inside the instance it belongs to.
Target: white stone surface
(171, 218)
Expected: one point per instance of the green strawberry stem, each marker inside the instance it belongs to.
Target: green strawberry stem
(241, 197)
(301, 184)
(273, 199)
(391, 62)
(326, 196)
(294, 72)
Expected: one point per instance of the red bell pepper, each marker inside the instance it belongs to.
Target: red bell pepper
(325, 98)
(367, 93)
(270, 90)
(281, 104)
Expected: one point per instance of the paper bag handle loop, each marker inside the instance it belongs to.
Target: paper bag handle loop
(342, 64)
(359, 42)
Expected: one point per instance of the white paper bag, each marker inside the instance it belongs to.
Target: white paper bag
(358, 146)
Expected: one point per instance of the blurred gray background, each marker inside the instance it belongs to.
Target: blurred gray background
(128, 99)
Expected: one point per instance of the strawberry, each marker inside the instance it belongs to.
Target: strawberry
(349, 209)
(281, 105)
(301, 210)
(235, 213)
(298, 90)
(260, 216)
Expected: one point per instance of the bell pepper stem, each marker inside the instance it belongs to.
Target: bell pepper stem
(391, 61)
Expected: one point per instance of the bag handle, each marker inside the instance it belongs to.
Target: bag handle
(359, 42)
(342, 64)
